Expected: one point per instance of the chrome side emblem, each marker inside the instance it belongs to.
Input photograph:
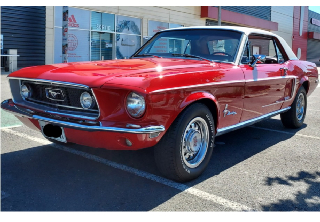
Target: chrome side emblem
(226, 112)
(55, 94)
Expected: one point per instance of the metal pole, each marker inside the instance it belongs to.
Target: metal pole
(219, 15)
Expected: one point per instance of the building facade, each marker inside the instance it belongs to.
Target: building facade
(109, 32)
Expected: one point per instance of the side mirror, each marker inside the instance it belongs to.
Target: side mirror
(258, 58)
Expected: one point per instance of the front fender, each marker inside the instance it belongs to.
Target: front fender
(199, 95)
(204, 97)
(167, 106)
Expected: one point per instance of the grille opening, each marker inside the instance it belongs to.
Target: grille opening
(58, 96)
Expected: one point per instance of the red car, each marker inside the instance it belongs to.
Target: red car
(179, 91)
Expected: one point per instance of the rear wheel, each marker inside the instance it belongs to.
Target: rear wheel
(295, 116)
(185, 150)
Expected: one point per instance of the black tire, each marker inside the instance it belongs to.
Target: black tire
(291, 119)
(169, 157)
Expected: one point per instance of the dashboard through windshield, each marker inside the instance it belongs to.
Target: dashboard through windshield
(206, 44)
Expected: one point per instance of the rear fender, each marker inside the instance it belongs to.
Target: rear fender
(304, 81)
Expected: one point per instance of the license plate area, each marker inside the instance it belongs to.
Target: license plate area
(52, 131)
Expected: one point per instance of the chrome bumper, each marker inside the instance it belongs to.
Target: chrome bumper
(23, 112)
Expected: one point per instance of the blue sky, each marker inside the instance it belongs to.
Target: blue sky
(315, 8)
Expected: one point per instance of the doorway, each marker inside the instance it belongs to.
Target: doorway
(102, 44)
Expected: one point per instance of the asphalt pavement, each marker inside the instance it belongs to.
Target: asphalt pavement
(265, 167)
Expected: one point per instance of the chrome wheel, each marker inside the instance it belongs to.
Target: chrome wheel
(300, 107)
(194, 142)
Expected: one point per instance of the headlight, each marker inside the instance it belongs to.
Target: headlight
(135, 105)
(25, 91)
(86, 100)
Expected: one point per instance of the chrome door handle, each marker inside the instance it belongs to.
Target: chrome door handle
(284, 71)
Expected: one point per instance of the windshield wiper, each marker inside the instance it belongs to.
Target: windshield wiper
(191, 56)
(144, 55)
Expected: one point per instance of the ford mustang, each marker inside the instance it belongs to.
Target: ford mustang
(180, 90)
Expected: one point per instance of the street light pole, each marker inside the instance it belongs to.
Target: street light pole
(219, 15)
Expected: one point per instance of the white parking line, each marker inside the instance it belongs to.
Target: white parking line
(9, 127)
(314, 109)
(280, 131)
(184, 188)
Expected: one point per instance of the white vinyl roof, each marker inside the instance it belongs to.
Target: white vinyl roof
(246, 31)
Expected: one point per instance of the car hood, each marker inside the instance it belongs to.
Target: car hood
(97, 73)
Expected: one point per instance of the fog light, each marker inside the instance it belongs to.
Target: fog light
(25, 91)
(86, 100)
(153, 135)
(128, 142)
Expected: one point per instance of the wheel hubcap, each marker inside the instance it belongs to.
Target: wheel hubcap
(300, 107)
(195, 140)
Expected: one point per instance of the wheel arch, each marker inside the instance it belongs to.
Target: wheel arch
(305, 83)
(205, 98)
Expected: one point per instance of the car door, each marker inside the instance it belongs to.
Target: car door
(266, 82)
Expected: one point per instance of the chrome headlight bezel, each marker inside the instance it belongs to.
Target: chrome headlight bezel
(135, 105)
(86, 100)
(25, 91)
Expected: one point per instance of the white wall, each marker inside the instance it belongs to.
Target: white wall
(283, 15)
(49, 34)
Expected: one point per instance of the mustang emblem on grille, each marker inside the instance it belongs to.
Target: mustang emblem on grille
(55, 94)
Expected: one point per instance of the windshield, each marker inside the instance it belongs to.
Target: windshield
(206, 44)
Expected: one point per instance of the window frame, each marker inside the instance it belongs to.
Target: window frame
(276, 44)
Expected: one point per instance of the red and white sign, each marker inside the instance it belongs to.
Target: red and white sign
(73, 22)
(315, 22)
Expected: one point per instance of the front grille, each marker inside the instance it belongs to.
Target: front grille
(65, 97)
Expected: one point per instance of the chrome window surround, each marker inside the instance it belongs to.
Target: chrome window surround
(68, 84)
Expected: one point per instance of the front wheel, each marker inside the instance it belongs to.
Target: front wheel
(295, 116)
(185, 150)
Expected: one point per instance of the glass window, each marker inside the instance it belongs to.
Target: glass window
(154, 27)
(128, 36)
(128, 25)
(78, 45)
(264, 45)
(213, 44)
(246, 59)
(78, 18)
(127, 45)
(102, 22)
(172, 25)
(101, 46)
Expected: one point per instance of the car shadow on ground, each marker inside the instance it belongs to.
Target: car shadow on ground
(46, 179)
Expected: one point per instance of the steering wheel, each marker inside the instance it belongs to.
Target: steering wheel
(219, 53)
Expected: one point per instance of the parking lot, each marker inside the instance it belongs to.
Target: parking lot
(265, 167)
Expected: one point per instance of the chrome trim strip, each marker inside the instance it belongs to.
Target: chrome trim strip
(241, 45)
(221, 83)
(20, 112)
(71, 115)
(71, 107)
(271, 78)
(250, 122)
(294, 88)
(199, 85)
(50, 82)
(95, 98)
(277, 102)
